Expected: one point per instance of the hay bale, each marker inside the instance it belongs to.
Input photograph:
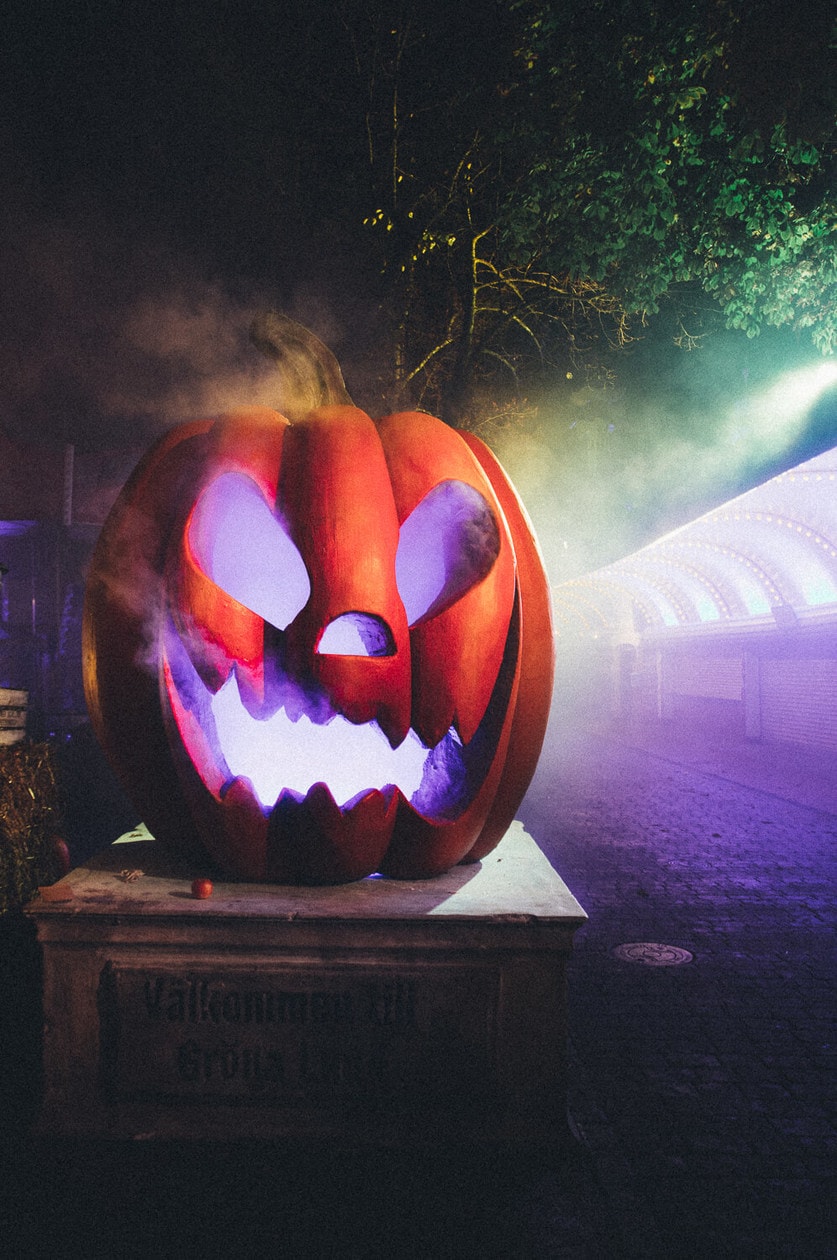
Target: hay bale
(30, 819)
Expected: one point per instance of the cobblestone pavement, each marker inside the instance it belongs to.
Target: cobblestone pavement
(700, 1091)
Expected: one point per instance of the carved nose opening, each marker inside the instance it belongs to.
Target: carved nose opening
(357, 634)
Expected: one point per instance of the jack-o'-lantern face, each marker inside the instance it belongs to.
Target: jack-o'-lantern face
(314, 615)
(339, 647)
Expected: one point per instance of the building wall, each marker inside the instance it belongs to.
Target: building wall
(41, 598)
(799, 702)
(780, 688)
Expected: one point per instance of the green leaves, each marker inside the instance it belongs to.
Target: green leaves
(527, 197)
(661, 174)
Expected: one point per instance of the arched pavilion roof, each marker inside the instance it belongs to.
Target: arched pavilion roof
(766, 558)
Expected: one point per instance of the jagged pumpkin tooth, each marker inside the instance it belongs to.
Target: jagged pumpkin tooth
(244, 828)
(315, 842)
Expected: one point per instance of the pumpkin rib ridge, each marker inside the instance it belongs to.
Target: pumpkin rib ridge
(123, 591)
(537, 658)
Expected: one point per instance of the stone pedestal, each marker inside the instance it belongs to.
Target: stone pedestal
(380, 1010)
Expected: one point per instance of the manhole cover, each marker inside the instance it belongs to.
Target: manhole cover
(652, 954)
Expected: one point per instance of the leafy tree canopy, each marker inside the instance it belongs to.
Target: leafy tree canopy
(679, 150)
(541, 182)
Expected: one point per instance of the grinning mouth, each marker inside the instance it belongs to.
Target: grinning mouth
(305, 743)
(279, 754)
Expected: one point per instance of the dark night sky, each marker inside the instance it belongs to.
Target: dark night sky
(168, 122)
(170, 168)
(148, 207)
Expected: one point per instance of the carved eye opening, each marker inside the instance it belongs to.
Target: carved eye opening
(447, 544)
(241, 546)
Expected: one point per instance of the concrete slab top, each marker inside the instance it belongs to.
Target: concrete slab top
(140, 877)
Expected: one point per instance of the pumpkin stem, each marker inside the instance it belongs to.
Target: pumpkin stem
(310, 374)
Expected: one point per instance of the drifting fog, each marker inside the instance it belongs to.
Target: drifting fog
(105, 341)
(603, 472)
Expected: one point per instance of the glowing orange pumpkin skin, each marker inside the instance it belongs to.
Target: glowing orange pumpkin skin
(344, 484)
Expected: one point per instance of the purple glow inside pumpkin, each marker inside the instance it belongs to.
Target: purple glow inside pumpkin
(278, 754)
(296, 739)
(243, 547)
(302, 742)
(446, 545)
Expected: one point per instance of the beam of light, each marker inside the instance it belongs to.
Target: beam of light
(778, 413)
(751, 432)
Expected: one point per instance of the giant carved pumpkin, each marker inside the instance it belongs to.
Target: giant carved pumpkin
(320, 647)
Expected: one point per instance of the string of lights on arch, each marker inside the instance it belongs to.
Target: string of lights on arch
(768, 552)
